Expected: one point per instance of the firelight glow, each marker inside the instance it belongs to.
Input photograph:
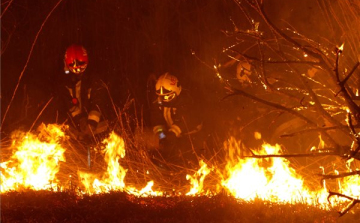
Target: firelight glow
(36, 160)
(113, 179)
(197, 180)
(272, 179)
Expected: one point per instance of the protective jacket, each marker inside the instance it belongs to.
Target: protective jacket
(82, 98)
(180, 116)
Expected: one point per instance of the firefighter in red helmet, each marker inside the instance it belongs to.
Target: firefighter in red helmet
(81, 93)
(76, 60)
(175, 119)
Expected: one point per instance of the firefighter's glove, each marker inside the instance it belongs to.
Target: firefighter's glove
(162, 140)
(82, 124)
(87, 127)
(166, 139)
(91, 127)
(171, 137)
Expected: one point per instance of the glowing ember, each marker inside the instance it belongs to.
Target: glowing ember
(35, 160)
(341, 47)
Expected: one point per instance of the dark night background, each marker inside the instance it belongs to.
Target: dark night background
(128, 43)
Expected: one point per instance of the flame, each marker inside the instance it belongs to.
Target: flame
(269, 179)
(114, 178)
(145, 192)
(35, 159)
(321, 143)
(341, 48)
(350, 186)
(197, 180)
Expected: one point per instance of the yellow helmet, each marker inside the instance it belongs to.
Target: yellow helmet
(167, 87)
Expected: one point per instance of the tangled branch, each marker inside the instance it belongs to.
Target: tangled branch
(350, 205)
(335, 105)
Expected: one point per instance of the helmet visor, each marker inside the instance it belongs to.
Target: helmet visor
(165, 95)
(77, 66)
(167, 98)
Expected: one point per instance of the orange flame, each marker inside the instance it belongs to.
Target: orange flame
(35, 160)
(350, 185)
(269, 179)
(197, 180)
(274, 180)
(341, 47)
(113, 179)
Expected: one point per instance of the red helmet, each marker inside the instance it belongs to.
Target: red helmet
(76, 59)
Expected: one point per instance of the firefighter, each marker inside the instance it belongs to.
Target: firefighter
(81, 94)
(175, 120)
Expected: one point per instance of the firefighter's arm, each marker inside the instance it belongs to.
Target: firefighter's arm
(188, 122)
(175, 129)
(157, 119)
(97, 96)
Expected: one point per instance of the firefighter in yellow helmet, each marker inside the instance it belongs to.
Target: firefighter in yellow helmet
(174, 117)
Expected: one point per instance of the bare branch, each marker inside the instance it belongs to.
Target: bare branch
(347, 208)
(314, 130)
(42, 110)
(354, 108)
(6, 8)
(349, 75)
(341, 175)
(280, 107)
(324, 112)
(295, 155)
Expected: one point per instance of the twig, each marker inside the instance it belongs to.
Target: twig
(111, 99)
(308, 121)
(276, 61)
(351, 204)
(8, 5)
(293, 155)
(354, 108)
(338, 52)
(355, 135)
(314, 130)
(341, 175)
(349, 75)
(42, 110)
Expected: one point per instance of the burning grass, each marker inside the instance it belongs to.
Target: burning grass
(47, 206)
(46, 177)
